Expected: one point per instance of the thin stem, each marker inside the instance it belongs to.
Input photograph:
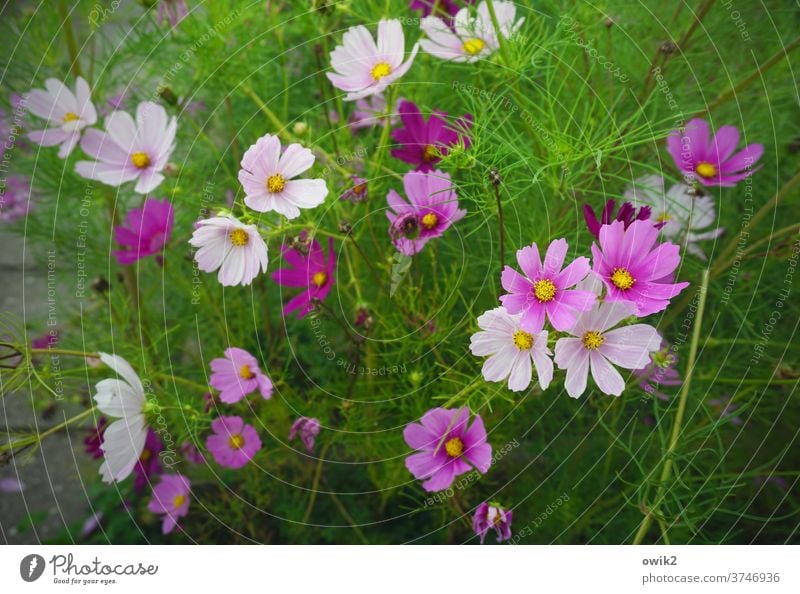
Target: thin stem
(500, 38)
(67, 352)
(383, 143)
(69, 36)
(315, 484)
(666, 471)
(501, 225)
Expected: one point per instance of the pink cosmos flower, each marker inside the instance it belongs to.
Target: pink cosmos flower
(633, 270)
(446, 447)
(470, 38)
(431, 209)
(712, 162)
(545, 288)
(308, 429)
(148, 465)
(425, 143)
(238, 375)
(370, 112)
(358, 192)
(130, 150)
(511, 350)
(266, 176)
(173, 11)
(363, 67)
(595, 346)
(312, 271)
(145, 232)
(236, 249)
(684, 214)
(67, 114)
(492, 515)
(233, 443)
(15, 198)
(171, 499)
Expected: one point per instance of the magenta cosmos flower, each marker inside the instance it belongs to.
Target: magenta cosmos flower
(370, 112)
(171, 499)
(363, 67)
(236, 249)
(233, 443)
(447, 447)
(424, 143)
(266, 176)
(511, 351)
(149, 465)
(15, 198)
(633, 270)
(145, 232)
(545, 288)
(312, 271)
(471, 36)
(238, 375)
(626, 213)
(712, 162)
(594, 346)
(67, 114)
(308, 429)
(130, 150)
(492, 515)
(431, 208)
(443, 7)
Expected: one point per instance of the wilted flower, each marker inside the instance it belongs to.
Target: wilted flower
(447, 447)
(312, 271)
(308, 429)
(358, 191)
(724, 409)
(492, 515)
(511, 351)
(171, 499)
(712, 162)
(362, 67)
(67, 114)
(238, 375)
(660, 371)
(545, 291)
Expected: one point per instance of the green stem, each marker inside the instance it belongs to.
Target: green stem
(666, 471)
(500, 38)
(383, 143)
(315, 484)
(72, 48)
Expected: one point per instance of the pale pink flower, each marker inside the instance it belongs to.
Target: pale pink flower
(67, 114)
(130, 149)
(595, 346)
(363, 67)
(511, 350)
(267, 178)
(228, 245)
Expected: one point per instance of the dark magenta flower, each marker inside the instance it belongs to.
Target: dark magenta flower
(148, 465)
(145, 232)
(424, 143)
(492, 515)
(446, 447)
(308, 429)
(94, 439)
(438, 7)
(712, 162)
(627, 214)
(312, 271)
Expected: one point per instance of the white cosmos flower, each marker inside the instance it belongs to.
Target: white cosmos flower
(236, 249)
(471, 38)
(123, 440)
(686, 215)
(511, 350)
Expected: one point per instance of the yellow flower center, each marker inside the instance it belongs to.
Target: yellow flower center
(592, 340)
(622, 279)
(359, 189)
(236, 441)
(239, 237)
(319, 278)
(380, 70)
(140, 160)
(429, 220)
(474, 46)
(705, 170)
(70, 117)
(178, 501)
(522, 340)
(246, 373)
(430, 153)
(663, 217)
(275, 183)
(454, 447)
(544, 290)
